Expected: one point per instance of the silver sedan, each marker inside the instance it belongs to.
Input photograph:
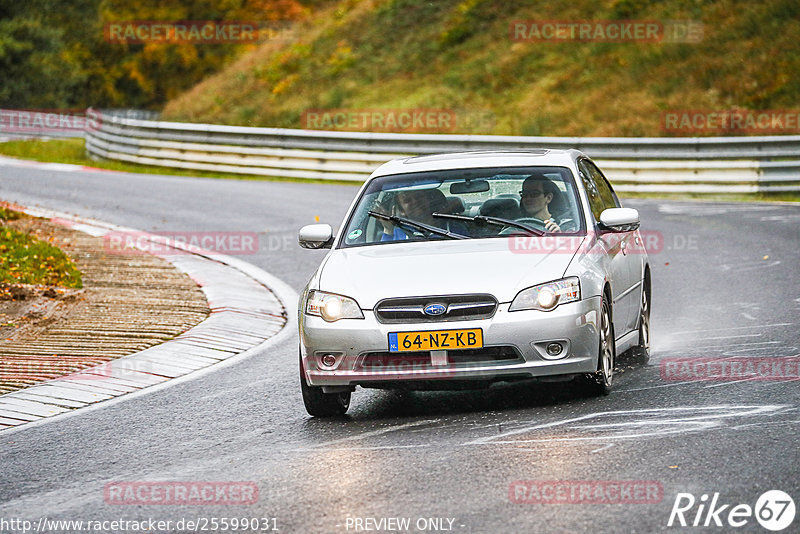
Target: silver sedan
(461, 270)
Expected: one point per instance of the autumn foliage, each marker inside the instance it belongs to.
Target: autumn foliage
(53, 54)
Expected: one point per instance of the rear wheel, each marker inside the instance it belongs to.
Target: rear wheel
(601, 381)
(321, 404)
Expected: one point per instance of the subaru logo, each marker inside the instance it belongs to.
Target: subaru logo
(435, 309)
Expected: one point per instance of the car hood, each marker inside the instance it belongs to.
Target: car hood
(501, 267)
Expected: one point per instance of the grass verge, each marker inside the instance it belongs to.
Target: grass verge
(73, 151)
(24, 259)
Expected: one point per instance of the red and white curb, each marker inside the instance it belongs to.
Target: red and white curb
(250, 310)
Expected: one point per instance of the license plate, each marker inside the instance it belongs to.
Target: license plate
(471, 338)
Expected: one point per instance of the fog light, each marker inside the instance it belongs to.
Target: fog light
(554, 349)
(328, 360)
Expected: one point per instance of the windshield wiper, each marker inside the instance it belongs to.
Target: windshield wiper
(485, 219)
(402, 221)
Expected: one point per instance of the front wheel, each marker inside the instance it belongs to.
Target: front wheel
(643, 346)
(321, 404)
(601, 381)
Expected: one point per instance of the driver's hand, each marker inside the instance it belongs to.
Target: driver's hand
(551, 226)
(388, 227)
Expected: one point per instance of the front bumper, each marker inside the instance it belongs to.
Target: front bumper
(521, 334)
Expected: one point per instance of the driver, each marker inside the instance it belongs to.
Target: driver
(417, 205)
(535, 198)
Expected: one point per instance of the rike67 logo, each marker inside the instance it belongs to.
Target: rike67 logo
(774, 510)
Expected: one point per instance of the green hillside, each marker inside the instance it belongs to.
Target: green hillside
(458, 56)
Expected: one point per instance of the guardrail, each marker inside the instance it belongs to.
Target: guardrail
(56, 123)
(41, 123)
(664, 165)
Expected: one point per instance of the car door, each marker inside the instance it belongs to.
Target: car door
(618, 267)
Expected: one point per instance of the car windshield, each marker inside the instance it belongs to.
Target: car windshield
(465, 203)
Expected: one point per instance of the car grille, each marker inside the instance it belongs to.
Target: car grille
(419, 360)
(457, 308)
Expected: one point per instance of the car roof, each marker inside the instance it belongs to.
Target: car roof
(480, 159)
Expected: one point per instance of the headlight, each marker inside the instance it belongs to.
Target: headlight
(547, 296)
(332, 307)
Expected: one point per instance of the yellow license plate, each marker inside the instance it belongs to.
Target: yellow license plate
(471, 338)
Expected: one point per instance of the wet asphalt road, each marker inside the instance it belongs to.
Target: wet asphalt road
(724, 286)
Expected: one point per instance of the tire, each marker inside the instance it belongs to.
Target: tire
(601, 381)
(643, 345)
(321, 404)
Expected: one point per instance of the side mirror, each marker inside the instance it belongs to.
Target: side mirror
(619, 219)
(316, 236)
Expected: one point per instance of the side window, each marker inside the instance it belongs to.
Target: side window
(610, 199)
(596, 202)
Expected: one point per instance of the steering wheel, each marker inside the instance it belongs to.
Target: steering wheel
(533, 222)
(568, 225)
